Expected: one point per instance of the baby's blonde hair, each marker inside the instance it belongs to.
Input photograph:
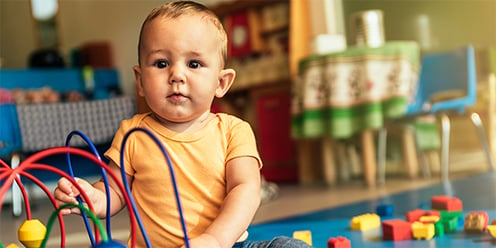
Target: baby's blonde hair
(178, 8)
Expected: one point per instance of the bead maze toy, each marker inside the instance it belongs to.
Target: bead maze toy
(32, 233)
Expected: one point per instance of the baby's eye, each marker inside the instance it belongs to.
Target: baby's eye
(194, 64)
(161, 64)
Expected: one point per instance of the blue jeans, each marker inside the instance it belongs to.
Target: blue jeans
(280, 241)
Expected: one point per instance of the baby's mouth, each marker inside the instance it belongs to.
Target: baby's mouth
(176, 97)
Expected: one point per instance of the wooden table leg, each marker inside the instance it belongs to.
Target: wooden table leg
(309, 162)
(410, 158)
(368, 155)
(329, 166)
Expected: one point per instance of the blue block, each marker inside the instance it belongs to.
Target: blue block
(385, 210)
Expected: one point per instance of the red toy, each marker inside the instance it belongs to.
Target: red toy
(415, 214)
(338, 242)
(448, 203)
(396, 230)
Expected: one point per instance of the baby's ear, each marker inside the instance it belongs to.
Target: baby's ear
(226, 79)
(139, 84)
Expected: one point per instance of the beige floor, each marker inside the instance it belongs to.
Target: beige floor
(292, 200)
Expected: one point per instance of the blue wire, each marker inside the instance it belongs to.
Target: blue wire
(173, 178)
(105, 180)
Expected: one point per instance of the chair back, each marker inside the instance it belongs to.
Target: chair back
(447, 82)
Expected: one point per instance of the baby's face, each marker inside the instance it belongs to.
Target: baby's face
(180, 67)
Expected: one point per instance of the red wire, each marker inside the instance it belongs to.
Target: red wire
(21, 187)
(25, 197)
(29, 163)
(63, 174)
(8, 182)
(20, 170)
(9, 172)
(90, 156)
(4, 164)
(54, 203)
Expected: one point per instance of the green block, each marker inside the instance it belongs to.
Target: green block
(450, 220)
(450, 214)
(450, 225)
(439, 229)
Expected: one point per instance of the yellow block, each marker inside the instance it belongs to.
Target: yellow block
(492, 230)
(365, 222)
(305, 236)
(423, 231)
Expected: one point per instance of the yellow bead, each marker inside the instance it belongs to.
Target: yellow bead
(31, 233)
(12, 246)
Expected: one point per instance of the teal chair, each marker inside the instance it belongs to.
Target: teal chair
(448, 84)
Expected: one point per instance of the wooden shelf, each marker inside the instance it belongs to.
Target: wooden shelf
(282, 83)
(278, 30)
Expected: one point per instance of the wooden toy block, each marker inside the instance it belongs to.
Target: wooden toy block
(304, 235)
(365, 222)
(422, 231)
(476, 222)
(338, 242)
(396, 230)
(448, 203)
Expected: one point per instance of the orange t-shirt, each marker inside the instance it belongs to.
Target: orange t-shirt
(198, 160)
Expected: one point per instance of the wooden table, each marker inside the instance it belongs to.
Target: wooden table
(342, 94)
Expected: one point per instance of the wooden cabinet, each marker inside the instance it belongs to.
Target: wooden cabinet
(258, 33)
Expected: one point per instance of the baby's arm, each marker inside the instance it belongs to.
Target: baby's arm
(67, 193)
(240, 204)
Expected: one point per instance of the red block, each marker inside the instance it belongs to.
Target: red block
(415, 214)
(448, 203)
(339, 242)
(396, 230)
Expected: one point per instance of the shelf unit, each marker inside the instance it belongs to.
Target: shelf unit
(261, 91)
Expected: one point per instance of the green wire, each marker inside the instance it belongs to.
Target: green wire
(82, 208)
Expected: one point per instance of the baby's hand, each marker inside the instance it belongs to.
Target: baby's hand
(67, 193)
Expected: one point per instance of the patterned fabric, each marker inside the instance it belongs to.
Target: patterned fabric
(47, 125)
(340, 94)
